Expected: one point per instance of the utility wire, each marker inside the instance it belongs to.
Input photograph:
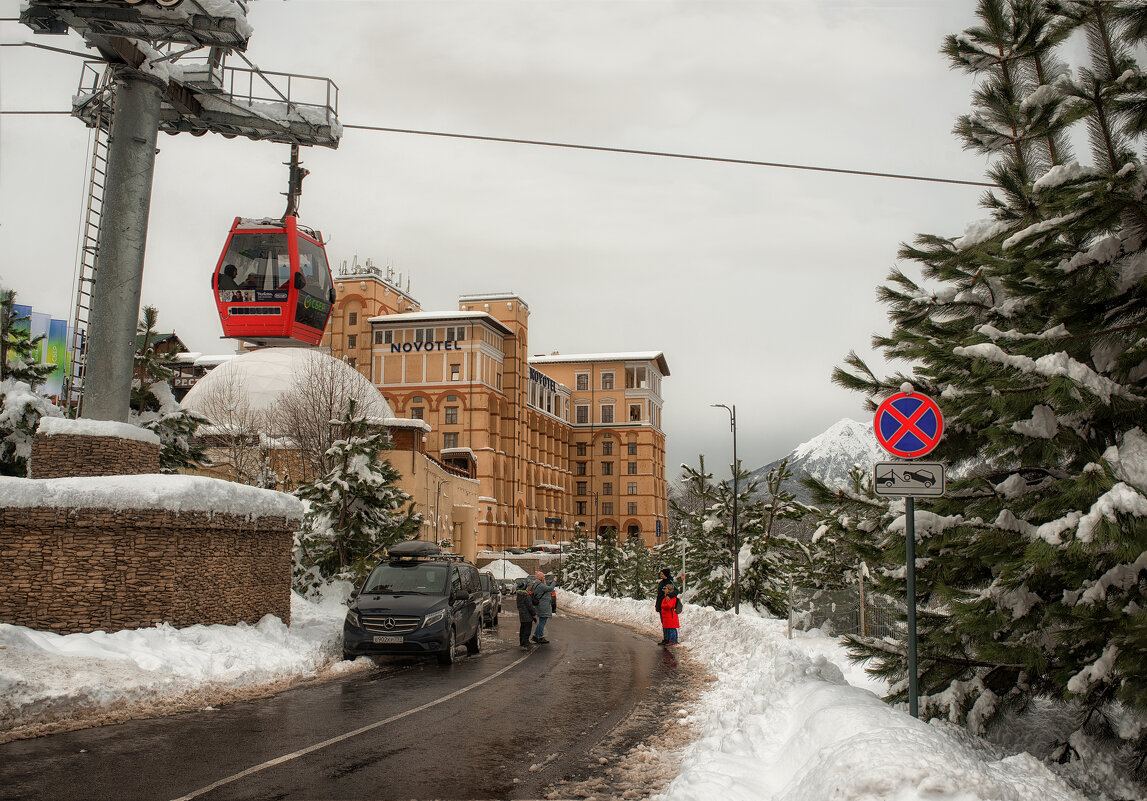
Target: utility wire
(48, 47)
(664, 154)
(635, 152)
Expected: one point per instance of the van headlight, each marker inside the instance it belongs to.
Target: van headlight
(433, 618)
(352, 618)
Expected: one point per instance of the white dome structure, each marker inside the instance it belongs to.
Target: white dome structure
(257, 381)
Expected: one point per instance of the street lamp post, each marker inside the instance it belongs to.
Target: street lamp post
(437, 498)
(736, 538)
(594, 542)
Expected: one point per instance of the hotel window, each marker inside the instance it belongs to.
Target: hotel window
(635, 412)
(581, 468)
(607, 413)
(455, 372)
(460, 334)
(581, 488)
(631, 488)
(607, 447)
(631, 508)
(607, 488)
(451, 416)
(352, 318)
(635, 378)
(416, 413)
(632, 468)
(352, 340)
(450, 440)
(607, 468)
(607, 380)
(580, 507)
(583, 414)
(417, 334)
(607, 508)
(582, 382)
(378, 337)
(633, 449)
(581, 449)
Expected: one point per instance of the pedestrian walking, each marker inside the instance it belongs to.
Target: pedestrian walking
(670, 622)
(666, 580)
(543, 598)
(527, 611)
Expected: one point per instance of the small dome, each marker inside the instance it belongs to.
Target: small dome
(265, 375)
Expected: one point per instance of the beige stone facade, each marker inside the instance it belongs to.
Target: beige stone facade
(543, 471)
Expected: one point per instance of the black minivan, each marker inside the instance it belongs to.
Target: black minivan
(417, 600)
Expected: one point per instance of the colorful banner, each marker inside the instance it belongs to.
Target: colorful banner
(56, 353)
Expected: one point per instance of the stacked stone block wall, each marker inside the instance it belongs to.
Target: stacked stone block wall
(68, 455)
(80, 570)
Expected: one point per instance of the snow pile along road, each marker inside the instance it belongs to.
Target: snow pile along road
(53, 682)
(792, 720)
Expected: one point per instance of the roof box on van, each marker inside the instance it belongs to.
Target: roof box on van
(413, 549)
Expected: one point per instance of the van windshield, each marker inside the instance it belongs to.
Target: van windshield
(414, 578)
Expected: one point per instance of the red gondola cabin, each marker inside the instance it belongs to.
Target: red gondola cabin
(272, 284)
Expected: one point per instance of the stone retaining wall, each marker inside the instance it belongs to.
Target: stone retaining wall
(66, 455)
(79, 570)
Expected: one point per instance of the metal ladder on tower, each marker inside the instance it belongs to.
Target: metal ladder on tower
(88, 258)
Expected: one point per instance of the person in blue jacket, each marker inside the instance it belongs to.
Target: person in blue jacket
(543, 596)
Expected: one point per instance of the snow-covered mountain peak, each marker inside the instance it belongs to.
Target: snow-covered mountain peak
(847, 435)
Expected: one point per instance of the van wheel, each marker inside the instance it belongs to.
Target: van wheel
(448, 657)
(349, 657)
(474, 644)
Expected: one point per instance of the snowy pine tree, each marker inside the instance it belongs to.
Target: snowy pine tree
(576, 566)
(356, 508)
(155, 408)
(637, 573)
(1032, 571)
(21, 407)
(769, 558)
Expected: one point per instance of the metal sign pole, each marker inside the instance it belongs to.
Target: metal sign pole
(910, 547)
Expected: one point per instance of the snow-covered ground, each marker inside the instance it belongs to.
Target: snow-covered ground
(784, 719)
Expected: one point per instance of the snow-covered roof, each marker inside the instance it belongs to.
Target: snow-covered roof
(265, 375)
(440, 316)
(402, 422)
(632, 356)
(491, 296)
(452, 451)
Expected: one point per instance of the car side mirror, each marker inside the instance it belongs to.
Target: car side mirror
(300, 282)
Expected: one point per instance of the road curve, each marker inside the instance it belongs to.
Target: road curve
(504, 724)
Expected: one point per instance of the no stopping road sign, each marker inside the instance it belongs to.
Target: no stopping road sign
(908, 425)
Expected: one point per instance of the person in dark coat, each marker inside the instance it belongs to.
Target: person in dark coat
(527, 612)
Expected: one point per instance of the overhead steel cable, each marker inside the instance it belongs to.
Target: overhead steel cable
(639, 152)
(666, 154)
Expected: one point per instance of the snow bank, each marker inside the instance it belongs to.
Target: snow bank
(53, 682)
(792, 720)
(501, 568)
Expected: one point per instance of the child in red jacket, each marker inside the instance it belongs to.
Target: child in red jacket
(669, 619)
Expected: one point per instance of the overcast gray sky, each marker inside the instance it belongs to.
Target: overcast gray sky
(754, 281)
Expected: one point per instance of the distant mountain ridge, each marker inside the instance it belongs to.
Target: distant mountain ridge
(828, 456)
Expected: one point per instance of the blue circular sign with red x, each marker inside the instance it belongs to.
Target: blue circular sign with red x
(909, 425)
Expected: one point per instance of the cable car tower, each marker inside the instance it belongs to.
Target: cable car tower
(161, 68)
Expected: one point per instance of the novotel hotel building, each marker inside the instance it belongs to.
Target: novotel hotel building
(557, 442)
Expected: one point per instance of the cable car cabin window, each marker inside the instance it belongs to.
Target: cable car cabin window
(256, 268)
(314, 303)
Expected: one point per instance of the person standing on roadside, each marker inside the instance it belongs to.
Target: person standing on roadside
(527, 612)
(669, 619)
(543, 597)
(662, 585)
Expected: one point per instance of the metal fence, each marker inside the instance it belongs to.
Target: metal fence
(846, 611)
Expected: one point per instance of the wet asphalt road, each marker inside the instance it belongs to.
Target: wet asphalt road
(405, 729)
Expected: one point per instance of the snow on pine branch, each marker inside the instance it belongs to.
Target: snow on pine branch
(1051, 365)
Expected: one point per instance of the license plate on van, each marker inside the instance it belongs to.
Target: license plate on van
(387, 640)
